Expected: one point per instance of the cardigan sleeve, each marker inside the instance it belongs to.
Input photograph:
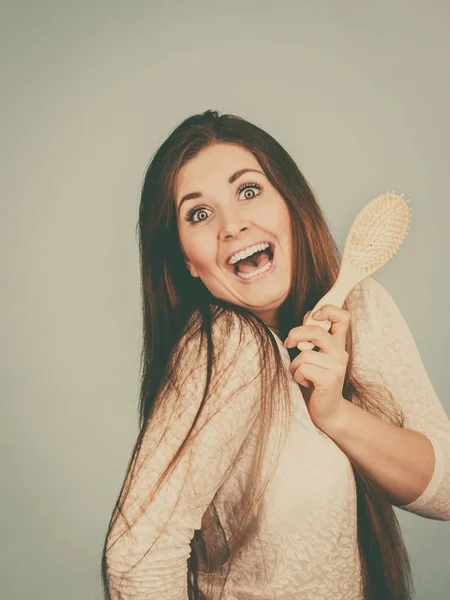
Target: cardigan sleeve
(385, 344)
(139, 563)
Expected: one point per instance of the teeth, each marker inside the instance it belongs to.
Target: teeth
(247, 252)
(255, 273)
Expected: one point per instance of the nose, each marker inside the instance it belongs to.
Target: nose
(233, 225)
(232, 231)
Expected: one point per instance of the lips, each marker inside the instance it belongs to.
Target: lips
(232, 268)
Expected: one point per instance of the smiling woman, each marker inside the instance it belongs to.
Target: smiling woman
(240, 209)
(229, 472)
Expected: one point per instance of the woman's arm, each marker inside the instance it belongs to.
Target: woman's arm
(411, 464)
(400, 460)
(138, 566)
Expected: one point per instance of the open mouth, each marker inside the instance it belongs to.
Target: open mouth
(256, 271)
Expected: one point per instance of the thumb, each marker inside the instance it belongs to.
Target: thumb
(306, 316)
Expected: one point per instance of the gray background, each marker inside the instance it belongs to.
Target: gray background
(357, 92)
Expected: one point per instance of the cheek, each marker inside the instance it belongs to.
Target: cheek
(278, 220)
(199, 252)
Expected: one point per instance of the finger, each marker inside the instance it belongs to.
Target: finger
(340, 321)
(301, 380)
(310, 374)
(314, 334)
(306, 316)
(311, 357)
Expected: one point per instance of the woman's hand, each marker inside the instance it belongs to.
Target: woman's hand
(321, 373)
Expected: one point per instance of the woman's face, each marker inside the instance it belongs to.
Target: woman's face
(230, 213)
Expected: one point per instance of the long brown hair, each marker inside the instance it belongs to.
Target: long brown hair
(174, 303)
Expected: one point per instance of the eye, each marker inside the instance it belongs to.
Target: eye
(247, 187)
(201, 209)
(191, 213)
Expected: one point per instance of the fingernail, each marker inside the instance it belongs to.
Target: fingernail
(317, 313)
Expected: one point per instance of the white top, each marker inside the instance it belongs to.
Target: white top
(307, 544)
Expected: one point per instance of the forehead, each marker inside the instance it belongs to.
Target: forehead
(213, 166)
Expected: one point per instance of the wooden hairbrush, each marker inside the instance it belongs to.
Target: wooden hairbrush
(374, 238)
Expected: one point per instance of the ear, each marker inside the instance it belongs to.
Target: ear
(188, 264)
(192, 270)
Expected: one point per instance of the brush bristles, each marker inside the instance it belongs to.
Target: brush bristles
(377, 233)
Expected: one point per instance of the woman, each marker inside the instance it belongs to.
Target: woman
(260, 471)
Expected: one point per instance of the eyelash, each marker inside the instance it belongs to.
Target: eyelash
(192, 211)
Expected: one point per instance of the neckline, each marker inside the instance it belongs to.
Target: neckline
(277, 336)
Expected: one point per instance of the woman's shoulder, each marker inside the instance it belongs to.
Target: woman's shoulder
(367, 306)
(233, 338)
(377, 321)
(233, 363)
(367, 293)
(371, 301)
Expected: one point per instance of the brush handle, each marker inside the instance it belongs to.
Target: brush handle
(348, 277)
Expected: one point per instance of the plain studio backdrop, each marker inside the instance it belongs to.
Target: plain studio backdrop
(357, 92)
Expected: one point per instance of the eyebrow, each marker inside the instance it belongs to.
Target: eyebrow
(231, 179)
